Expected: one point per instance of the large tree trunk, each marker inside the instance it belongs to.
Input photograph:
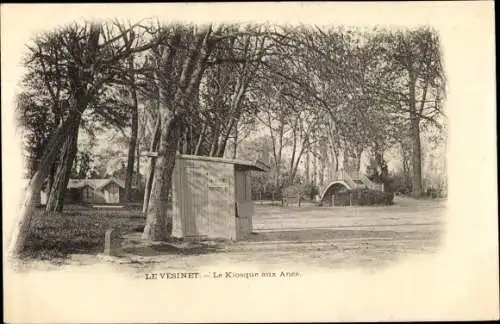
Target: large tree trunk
(55, 199)
(53, 168)
(336, 157)
(406, 161)
(322, 163)
(416, 158)
(416, 148)
(160, 86)
(132, 144)
(50, 178)
(21, 226)
(308, 167)
(235, 142)
(293, 172)
(221, 149)
(137, 167)
(215, 140)
(199, 142)
(151, 166)
(158, 226)
(314, 166)
(357, 160)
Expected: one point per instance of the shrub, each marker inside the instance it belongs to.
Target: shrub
(310, 191)
(399, 184)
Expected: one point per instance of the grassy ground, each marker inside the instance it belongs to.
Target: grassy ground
(310, 235)
(79, 229)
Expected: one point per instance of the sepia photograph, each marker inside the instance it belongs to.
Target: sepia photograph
(208, 159)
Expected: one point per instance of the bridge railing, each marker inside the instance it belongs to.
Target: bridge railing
(346, 175)
(349, 177)
(370, 184)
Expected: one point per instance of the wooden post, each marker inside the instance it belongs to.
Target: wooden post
(112, 242)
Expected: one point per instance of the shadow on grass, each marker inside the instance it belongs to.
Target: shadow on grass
(57, 253)
(167, 248)
(55, 236)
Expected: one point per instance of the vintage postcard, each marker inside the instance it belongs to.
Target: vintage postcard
(249, 162)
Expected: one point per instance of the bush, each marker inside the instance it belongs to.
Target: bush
(398, 184)
(374, 197)
(434, 193)
(310, 191)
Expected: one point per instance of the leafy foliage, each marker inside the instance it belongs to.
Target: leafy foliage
(363, 197)
(328, 93)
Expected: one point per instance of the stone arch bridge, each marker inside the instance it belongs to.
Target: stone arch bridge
(343, 181)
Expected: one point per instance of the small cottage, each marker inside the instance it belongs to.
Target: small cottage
(212, 197)
(96, 191)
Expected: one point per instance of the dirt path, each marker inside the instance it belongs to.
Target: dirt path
(312, 236)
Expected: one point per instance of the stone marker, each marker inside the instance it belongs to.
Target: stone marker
(112, 242)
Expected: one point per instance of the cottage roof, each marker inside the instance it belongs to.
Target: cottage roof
(94, 183)
(245, 165)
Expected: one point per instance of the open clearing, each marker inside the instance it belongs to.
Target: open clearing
(314, 236)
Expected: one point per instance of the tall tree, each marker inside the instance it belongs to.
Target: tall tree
(415, 85)
(85, 62)
(134, 126)
(176, 94)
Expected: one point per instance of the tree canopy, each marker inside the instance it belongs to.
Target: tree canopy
(325, 96)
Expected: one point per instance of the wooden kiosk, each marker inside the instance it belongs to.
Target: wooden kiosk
(212, 197)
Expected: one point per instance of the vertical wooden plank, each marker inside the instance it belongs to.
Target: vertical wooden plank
(240, 186)
(209, 217)
(183, 192)
(189, 194)
(231, 201)
(244, 204)
(183, 211)
(208, 172)
(218, 198)
(177, 222)
(250, 202)
(195, 197)
(235, 191)
(239, 199)
(248, 183)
